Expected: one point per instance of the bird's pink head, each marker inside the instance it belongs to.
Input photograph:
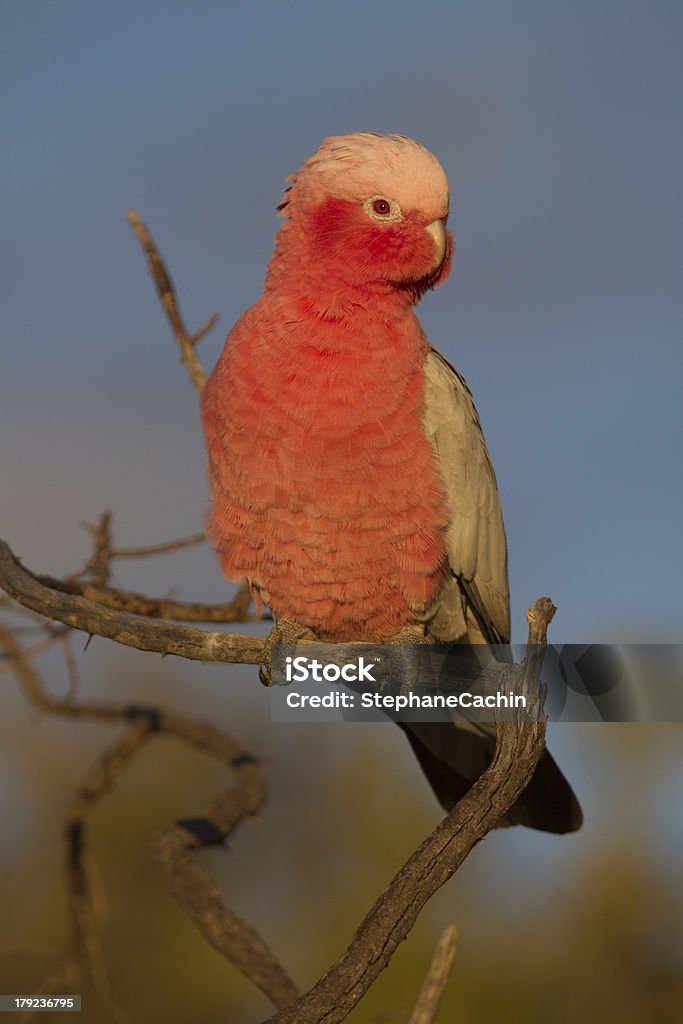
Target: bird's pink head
(366, 213)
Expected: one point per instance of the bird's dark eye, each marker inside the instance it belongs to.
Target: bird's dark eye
(382, 207)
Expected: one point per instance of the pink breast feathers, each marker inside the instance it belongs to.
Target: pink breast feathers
(325, 488)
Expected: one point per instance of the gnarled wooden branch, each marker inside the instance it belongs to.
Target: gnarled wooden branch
(123, 627)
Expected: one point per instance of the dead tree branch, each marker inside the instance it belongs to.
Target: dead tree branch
(105, 551)
(200, 898)
(429, 1000)
(127, 629)
(159, 549)
(98, 567)
(83, 950)
(156, 607)
(99, 564)
(162, 282)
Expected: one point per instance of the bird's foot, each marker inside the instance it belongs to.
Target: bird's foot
(283, 632)
(411, 635)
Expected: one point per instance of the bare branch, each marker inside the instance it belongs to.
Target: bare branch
(71, 666)
(98, 564)
(38, 695)
(200, 898)
(167, 295)
(53, 634)
(90, 567)
(159, 549)
(157, 607)
(205, 328)
(83, 947)
(539, 616)
(129, 630)
(97, 570)
(429, 1000)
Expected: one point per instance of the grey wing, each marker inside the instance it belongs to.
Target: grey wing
(475, 604)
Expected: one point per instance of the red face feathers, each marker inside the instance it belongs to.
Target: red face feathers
(365, 216)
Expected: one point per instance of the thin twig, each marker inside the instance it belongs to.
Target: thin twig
(30, 682)
(54, 634)
(204, 329)
(166, 292)
(98, 564)
(83, 946)
(97, 570)
(71, 666)
(159, 549)
(431, 994)
(165, 608)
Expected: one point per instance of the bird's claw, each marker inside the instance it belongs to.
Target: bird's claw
(283, 632)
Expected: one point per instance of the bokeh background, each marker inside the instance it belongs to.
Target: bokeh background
(557, 125)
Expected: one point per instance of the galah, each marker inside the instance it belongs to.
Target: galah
(351, 482)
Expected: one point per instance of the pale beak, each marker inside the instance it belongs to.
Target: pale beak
(438, 233)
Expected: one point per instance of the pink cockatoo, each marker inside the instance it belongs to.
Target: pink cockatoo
(351, 482)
